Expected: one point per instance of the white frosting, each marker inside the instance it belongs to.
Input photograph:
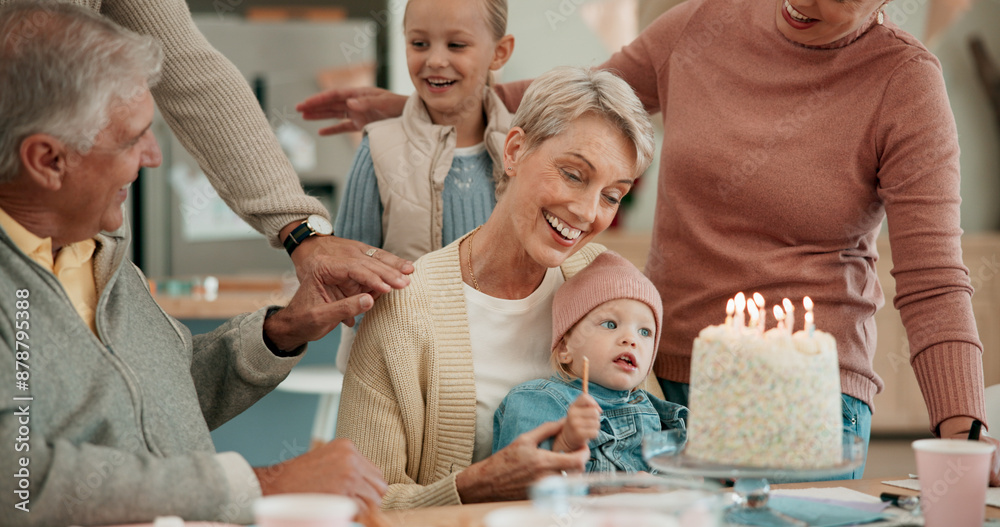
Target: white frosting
(769, 400)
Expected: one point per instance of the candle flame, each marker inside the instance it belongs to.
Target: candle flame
(779, 313)
(790, 314)
(730, 307)
(807, 303)
(754, 312)
(759, 300)
(741, 302)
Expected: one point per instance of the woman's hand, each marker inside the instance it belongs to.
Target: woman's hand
(583, 423)
(507, 474)
(958, 428)
(356, 106)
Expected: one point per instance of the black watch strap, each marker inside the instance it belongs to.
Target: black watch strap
(296, 237)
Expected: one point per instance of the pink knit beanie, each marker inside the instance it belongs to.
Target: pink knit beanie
(608, 277)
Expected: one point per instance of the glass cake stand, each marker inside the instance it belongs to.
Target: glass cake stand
(664, 451)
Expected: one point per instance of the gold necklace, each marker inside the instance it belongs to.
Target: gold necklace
(475, 283)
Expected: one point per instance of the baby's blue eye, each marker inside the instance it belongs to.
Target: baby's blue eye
(645, 332)
(608, 324)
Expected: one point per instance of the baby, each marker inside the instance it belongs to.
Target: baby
(608, 313)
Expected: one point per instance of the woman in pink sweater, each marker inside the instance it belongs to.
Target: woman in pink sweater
(793, 128)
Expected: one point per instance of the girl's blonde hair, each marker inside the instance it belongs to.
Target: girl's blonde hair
(496, 17)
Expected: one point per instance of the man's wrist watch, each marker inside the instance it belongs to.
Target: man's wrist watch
(311, 226)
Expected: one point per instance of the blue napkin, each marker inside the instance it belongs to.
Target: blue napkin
(823, 513)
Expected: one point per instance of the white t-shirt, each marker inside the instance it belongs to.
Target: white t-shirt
(511, 343)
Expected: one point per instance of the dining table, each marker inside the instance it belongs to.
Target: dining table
(472, 515)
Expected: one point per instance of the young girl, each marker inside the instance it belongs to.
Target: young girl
(610, 314)
(421, 181)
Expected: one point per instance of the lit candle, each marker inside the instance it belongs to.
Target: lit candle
(754, 314)
(808, 304)
(741, 305)
(730, 309)
(789, 315)
(759, 300)
(779, 315)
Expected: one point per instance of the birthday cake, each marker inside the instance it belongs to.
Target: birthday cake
(765, 399)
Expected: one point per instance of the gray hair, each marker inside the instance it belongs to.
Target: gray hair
(62, 68)
(563, 95)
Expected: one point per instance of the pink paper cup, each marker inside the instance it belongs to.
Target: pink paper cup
(304, 510)
(954, 476)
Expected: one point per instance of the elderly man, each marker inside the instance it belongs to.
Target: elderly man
(212, 111)
(107, 401)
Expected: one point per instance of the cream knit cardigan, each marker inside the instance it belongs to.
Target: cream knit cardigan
(409, 398)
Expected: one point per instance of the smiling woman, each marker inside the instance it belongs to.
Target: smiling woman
(821, 22)
(432, 362)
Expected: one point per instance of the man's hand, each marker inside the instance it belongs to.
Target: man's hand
(958, 428)
(310, 315)
(344, 268)
(356, 106)
(334, 468)
(507, 474)
(583, 423)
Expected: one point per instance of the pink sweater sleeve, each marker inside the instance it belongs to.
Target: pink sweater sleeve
(511, 93)
(919, 176)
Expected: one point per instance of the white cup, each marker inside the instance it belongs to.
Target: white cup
(304, 510)
(954, 476)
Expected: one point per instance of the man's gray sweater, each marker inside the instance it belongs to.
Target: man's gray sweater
(114, 427)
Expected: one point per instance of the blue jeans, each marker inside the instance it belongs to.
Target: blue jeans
(857, 418)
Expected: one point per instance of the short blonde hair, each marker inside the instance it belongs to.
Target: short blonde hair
(563, 95)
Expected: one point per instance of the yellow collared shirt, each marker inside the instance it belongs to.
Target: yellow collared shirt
(73, 266)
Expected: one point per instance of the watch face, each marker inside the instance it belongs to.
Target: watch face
(319, 224)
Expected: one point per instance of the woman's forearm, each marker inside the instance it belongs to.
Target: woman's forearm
(472, 486)
(500, 477)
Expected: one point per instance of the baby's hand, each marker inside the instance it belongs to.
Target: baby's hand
(583, 422)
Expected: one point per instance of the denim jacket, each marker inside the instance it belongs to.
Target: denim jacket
(627, 415)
